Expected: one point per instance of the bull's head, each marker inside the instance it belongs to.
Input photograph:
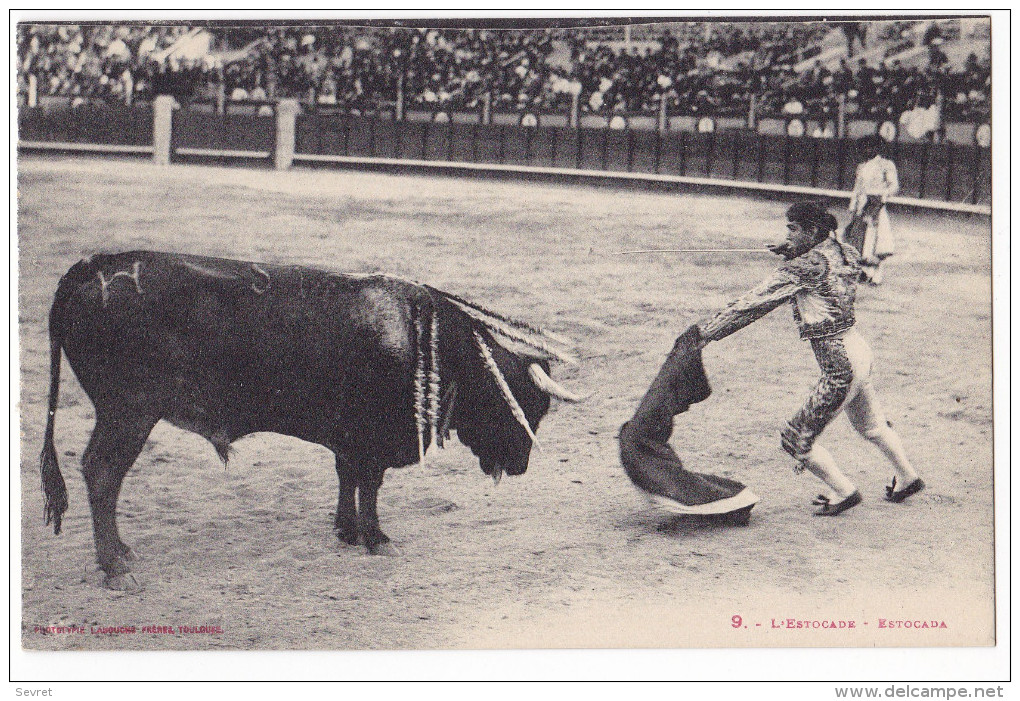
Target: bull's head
(498, 410)
(500, 395)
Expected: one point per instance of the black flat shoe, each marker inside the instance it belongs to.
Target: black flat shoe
(830, 509)
(898, 496)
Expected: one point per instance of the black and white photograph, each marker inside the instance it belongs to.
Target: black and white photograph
(451, 333)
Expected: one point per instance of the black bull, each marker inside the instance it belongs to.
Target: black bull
(225, 348)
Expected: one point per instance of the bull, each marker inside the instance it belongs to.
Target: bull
(374, 368)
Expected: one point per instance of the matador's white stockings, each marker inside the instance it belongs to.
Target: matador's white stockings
(866, 416)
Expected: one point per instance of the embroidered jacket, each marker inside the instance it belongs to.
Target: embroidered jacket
(821, 284)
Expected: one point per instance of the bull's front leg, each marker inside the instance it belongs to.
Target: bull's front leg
(377, 542)
(346, 524)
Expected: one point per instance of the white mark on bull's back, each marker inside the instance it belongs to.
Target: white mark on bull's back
(208, 272)
(133, 275)
(254, 285)
(385, 316)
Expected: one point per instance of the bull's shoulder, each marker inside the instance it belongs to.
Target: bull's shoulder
(381, 281)
(383, 307)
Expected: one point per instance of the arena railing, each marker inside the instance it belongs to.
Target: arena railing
(943, 176)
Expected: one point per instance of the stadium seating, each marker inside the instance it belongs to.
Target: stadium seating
(696, 68)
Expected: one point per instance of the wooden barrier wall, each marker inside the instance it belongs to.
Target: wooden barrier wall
(946, 172)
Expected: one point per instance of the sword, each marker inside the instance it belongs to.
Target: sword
(693, 250)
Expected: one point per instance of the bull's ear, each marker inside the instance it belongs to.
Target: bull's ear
(545, 383)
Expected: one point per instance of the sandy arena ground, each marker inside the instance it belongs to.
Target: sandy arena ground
(568, 555)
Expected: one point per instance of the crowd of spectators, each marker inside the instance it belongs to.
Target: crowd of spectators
(89, 61)
(694, 68)
(687, 67)
(880, 92)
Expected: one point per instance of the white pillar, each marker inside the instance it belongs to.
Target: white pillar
(286, 133)
(399, 113)
(162, 118)
(221, 91)
(129, 87)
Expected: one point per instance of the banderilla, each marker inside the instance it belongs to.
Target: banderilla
(693, 250)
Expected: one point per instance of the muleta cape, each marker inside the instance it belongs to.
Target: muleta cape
(652, 464)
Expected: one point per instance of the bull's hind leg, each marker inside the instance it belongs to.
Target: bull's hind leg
(346, 524)
(116, 441)
(377, 542)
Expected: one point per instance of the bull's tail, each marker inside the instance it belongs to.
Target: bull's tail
(52, 480)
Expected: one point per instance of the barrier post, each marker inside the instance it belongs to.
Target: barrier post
(736, 153)
(162, 121)
(286, 133)
(710, 156)
(949, 171)
(814, 162)
(399, 115)
(922, 186)
(683, 153)
(841, 117)
(128, 81)
(761, 158)
(658, 151)
(975, 173)
(840, 161)
(786, 160)
(221, 91)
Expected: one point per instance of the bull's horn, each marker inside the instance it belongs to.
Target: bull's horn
(549, 386)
